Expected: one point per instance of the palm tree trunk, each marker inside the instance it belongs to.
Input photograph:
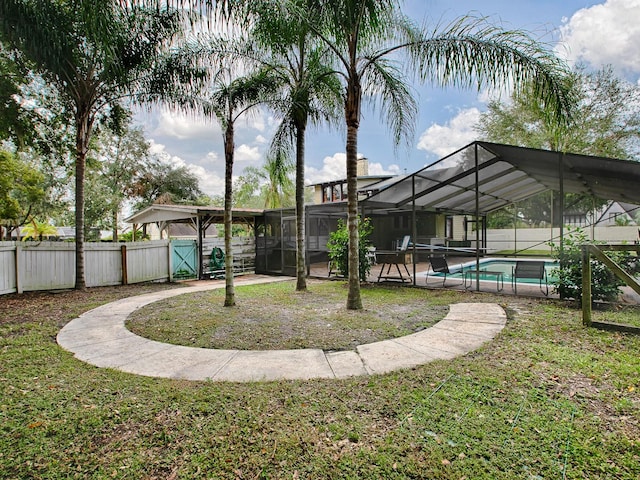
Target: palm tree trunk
(352, 114)
(301, 273)
(115, 226)
(230, 296)
(83, 133)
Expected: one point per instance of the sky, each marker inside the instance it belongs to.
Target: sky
(589, 32)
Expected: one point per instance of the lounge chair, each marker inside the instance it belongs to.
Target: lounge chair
(532, 270)
(440, 265)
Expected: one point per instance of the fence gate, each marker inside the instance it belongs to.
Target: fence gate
(184, 259)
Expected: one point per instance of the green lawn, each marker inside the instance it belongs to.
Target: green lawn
(546, 399)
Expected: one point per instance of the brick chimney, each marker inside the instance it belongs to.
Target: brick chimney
(363, 167)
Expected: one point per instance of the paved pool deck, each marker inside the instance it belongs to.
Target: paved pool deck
(99, 337)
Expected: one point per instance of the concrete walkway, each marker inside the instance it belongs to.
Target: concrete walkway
(99, 337)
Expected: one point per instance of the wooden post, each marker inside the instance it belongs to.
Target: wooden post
(586, 286)
(123, 259)
(170, 252)
(17, 264)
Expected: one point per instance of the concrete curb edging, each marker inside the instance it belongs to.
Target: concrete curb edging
(99, 337)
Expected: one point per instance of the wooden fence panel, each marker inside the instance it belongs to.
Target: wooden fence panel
(51, 265)
(46, 265)
(102, 264)
(147, 261)
(243, 248)
(7, 268)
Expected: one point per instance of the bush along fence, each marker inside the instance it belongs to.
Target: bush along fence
(33, 266)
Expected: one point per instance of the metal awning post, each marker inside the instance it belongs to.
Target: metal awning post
(477, 180)
(200, 237)
(561, 178)
(414, 228)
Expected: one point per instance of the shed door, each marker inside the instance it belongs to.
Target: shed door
(184, 259)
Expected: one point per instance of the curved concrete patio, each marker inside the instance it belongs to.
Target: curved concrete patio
(99, 337)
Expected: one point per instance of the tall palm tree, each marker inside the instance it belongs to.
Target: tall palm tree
(368, 38)
(93, 53)
(230, 97)
(309, 91)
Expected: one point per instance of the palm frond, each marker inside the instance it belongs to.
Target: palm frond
(471, 52)
(386, 85)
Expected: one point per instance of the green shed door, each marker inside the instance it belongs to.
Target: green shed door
(184, 259)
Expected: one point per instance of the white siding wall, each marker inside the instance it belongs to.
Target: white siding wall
(243, 248)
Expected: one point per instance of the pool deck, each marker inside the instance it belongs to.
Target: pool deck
(320, 270)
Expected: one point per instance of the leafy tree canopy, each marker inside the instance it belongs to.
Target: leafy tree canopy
(605, 122)
(21, 187)
(162, 182)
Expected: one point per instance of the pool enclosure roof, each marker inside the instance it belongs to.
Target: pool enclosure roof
(483, 177)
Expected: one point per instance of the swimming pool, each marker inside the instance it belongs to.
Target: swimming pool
(503, 265)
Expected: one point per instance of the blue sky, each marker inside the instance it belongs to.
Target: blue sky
(595, 33)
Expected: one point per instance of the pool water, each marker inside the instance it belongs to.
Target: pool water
(503, 265)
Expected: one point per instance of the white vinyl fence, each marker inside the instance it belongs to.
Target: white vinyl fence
(538, 238)
(30, 266)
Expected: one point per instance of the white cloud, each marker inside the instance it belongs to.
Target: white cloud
(376, 168)
(245, 153)
(256, 119)
(608, 33)
(210, 182)
(260, 140)
(456, 133)
(183, 127)
(335, 168)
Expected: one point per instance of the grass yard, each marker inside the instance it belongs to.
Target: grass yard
(276, 317)
(546, 399)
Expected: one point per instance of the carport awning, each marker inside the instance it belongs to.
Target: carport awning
(189, 214)
(504, 174)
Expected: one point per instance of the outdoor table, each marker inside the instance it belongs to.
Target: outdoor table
(469, 274)
(389, 259)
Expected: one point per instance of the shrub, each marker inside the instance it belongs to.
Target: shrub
(605, 286)
(338, 246)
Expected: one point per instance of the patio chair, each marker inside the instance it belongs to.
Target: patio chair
(440, 265)
(532, 270)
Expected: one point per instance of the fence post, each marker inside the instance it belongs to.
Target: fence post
(123, 259)
(17, 252)
(170, 262)
(586, 286)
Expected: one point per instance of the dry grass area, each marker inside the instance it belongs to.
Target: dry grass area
(272, 317)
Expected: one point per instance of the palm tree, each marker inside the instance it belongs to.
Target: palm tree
(230, 98)
(93, 53)
(37, 230)
(367, 38)
(276, 171)
(309, 92)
